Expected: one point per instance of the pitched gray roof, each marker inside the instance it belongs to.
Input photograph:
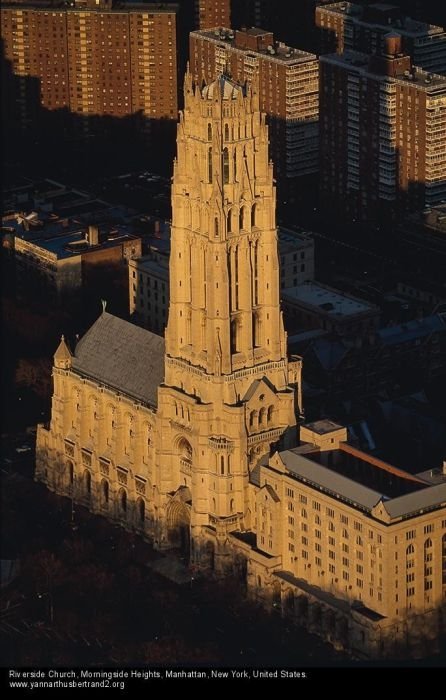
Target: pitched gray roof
(123, 356)
(413, 502)
(317, 475)
(328, 479)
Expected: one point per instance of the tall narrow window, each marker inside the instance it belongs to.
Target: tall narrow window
(209, 132)
(234, 158)
(234, 336)
(225, 166)
(226, 132)
(229, 222)
(443, 560)
(255, 330)
(253, 215)
(210, 164)
(216, 227)
(242, 218)
(256, 274)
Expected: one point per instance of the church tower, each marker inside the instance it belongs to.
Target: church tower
(230, 394)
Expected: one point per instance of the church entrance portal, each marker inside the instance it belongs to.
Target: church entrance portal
(178, 526)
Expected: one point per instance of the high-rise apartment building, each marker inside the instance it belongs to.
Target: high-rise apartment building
(252, 13)
(288, 89)
(346, 25)
(212, 13)
(382, 133)
(93, 58)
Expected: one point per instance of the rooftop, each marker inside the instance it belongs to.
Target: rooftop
(364, 481)
(149, 265)
(277, 51)
(361, 62)
(412, 330)
(290, 240)
(384, 16)
(331, 301)
(122, 356)
(75, 243)
(152, 7)
(323, 426)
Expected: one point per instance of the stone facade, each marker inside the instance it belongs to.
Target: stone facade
(193, 442)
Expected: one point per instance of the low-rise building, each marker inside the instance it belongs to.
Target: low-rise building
(58, 266)
(314, 305)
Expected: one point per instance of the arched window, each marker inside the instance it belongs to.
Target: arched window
(214, 506)
(87, 483)
(242, 218)
(226, 132)
(262, 416)
(410, 550)
(359, 540)
(317, 520)
(270, 414)
(225, 166)
(122, 498)
(234, 159)
(209, 132)
(185, 450)
(105, 492)
(222, 464)
(253, 419)
(253, 215)
(231, 505)
(210, 164)
(303, 513)
(70, 469)
(215, 227)
(229, 222)
(141, 510)
(234, 336)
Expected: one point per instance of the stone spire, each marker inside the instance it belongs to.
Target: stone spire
(62, 356)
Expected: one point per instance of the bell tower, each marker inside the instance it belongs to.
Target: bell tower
(230, 394)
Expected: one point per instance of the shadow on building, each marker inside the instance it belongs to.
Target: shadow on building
(73, 146)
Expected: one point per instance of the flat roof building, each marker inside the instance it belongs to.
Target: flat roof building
(313, 305)
(346, 25)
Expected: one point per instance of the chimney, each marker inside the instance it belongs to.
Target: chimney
(93, 235)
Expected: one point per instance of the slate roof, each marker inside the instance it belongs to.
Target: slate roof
(123, 356)
(412, 502)
(411, 330)
(330, 480)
